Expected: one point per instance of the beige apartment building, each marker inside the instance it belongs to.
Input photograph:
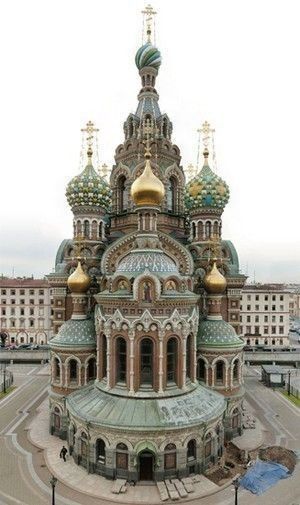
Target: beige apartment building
(264, 315)
(25, 311)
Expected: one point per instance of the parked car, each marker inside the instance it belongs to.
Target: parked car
(24, 346)
(10, 347)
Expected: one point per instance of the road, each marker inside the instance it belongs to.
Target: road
(25, 477)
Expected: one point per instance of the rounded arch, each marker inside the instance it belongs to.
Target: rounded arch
(121, 358)
(172, 353)
(142, 290)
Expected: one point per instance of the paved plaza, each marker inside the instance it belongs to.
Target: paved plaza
(25, 475)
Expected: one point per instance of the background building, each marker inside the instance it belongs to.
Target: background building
(25, 310)
(265, 314)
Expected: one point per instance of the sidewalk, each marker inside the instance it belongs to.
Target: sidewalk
(78, 479)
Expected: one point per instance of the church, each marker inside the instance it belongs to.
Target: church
(146, 361)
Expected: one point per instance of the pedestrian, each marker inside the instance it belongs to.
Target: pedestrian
(63, 453)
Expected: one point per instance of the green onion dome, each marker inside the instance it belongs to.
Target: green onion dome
(206, 189)
(88, 188)
(148, 56)
(217, 333)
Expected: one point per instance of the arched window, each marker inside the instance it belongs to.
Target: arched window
(121, 362)
(201, 370)
(122, 457)
(189, 355)
(56, 415)
(100, 451)
(193, 230)
(86, 229)
(235, 371)
(220, 372)
(100, 229)
(191, 450)
(208, 445)
(200, 230)
(104, 356)
(73, 370)
(121, 197)
(83, 444)
(56, 369)
(79, 228)
(208, 229)
(172, 196)
(248, 341)
(235, 418)
(216, 229)
(172, 353)
(91, 371)
(146, 370)
(170, 457)
(94, 229)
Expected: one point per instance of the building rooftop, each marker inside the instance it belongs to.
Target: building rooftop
(23, 282)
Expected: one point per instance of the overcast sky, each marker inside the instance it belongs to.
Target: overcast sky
(234, 63)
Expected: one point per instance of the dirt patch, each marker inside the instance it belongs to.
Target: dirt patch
(279, 455)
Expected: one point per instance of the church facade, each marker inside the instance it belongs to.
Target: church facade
(146, 363)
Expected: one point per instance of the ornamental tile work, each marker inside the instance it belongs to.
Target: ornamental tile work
(154, 261)
(218, 333)
(88, 188)
(76, 333)
(206, 190)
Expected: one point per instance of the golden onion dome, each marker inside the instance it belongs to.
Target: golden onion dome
(79, 281)
(147, 189)
(214, 282)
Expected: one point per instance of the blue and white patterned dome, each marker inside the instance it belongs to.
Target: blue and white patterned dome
(153, 260)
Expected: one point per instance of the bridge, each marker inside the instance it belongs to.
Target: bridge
(24, 356)
(273, 357)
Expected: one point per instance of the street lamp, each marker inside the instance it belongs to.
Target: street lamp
(3, 367)
(289, 382)
(53, 482)
(236, 484)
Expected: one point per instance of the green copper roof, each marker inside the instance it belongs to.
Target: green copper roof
(104, 409)
(206, 189)
(75, 333)
(148, 56)
(88, 188)
(217, 333)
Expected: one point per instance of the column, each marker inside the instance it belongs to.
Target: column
(108, 357)
(160, 361)
(131, 362)
(184, 361)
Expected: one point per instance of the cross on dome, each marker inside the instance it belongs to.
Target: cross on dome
(149, 13)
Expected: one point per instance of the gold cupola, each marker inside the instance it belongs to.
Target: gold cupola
(214, 282)
(147, 189)
(79, 281)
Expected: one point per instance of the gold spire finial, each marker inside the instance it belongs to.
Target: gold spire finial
(149, 14)
(89, 130)
(78, 281)
(214, 282)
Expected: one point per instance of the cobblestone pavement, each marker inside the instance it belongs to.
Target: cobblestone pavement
(24, 477)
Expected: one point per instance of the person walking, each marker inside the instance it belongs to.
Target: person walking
(63, 453)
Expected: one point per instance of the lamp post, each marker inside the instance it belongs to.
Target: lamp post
(53, 482)
(3, 368)
(289, 382)
(236, 484)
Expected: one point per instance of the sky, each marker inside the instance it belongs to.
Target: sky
(233, 63)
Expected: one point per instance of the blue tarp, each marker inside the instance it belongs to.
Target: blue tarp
(263, 475)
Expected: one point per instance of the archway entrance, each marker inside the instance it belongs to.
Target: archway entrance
(146, 463)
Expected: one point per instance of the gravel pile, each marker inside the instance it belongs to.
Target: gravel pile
(279, 455)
